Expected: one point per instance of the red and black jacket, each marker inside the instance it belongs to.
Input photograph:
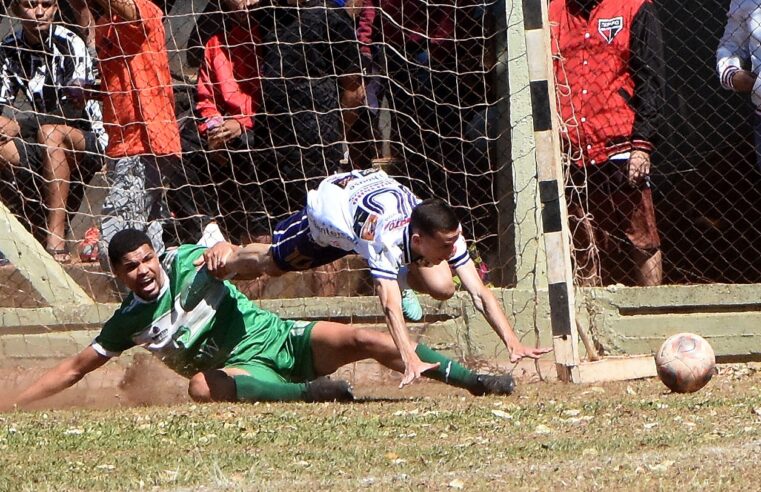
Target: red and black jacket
(609, 72)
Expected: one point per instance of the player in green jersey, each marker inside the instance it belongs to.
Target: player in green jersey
(231, 349)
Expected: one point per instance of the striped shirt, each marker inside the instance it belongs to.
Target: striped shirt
(51, 76)
(368, 212)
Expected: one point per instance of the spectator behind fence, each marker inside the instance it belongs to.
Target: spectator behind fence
(610, 81)
(436, 59)
(228, 98)
(139, 116)
(310, 70)
(51, 65)
(738, 58)
(362, 123)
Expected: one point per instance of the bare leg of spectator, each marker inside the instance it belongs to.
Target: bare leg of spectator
(60, 142)
(9, 154)
(649, 268)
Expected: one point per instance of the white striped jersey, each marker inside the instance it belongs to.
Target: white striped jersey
(49, 75)
(368, 212)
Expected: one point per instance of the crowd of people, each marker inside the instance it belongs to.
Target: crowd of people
(280, 102)
(287, 93)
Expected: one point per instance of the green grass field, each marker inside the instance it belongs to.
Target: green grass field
(630, 435)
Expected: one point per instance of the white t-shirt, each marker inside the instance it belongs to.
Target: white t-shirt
(368, 212)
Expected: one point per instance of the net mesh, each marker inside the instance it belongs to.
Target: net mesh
(703, 175)
(267, 101)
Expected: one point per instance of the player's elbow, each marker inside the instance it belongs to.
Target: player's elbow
(198, 389)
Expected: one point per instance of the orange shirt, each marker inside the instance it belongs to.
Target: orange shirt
(138, 102)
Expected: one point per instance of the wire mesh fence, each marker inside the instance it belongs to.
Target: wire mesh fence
(639, 81)
(230, 111)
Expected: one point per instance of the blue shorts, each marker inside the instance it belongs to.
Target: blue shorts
(293, 248)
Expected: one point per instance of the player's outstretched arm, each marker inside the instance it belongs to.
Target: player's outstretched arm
(487, 304)
(62, 376)
(226, 261)
(391, 302)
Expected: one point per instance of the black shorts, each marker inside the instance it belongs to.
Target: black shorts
(31, 153)
(293, 248)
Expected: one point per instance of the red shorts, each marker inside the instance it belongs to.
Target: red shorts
(618, 212)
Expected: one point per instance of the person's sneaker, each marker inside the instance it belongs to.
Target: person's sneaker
(3, 260)
(487, 384)
(326, 389)
(411, 307)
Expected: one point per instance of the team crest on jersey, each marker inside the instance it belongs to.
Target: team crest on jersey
(368, 228)
(365, 224)
(609, 28)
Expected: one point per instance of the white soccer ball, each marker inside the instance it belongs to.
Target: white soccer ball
(685, 362)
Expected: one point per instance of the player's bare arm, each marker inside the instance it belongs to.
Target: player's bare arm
(488, 306)
(225, 261)
(391, 301)
(62, 376)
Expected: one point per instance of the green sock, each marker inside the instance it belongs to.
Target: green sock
(250, 389)
(449, 371)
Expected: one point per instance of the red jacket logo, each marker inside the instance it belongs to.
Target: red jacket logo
(608, 28)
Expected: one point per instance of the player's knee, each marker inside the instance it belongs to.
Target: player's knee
(51, 135)
(442, 292)
(198, 388)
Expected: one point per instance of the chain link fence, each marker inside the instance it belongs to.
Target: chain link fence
(269, 98)
(637, 77)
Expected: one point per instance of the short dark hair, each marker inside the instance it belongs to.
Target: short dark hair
(433, 215)
(126, 241)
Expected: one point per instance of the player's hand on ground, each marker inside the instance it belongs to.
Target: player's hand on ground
(521, 351)
(216, 260)
(639, 167)
(414, 370)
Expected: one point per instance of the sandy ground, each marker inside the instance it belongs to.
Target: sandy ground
(145, 381)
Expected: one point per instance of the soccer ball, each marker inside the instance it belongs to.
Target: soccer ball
(685, 362)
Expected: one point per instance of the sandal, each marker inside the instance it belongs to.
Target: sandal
(60, 255)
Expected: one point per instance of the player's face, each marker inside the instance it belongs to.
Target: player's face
(36, 15)
(140, 271)
(437, 247)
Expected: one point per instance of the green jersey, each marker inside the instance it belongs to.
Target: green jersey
(196, 323)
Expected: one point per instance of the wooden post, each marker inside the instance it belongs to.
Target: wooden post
(551, 191)
(45, 274)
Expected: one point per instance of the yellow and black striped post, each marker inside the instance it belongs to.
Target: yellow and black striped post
(549, 168)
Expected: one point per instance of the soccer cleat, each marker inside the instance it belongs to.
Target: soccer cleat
(326, 389)
(411, 307)
(487, 384)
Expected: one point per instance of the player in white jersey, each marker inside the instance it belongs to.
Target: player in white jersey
(406, 242)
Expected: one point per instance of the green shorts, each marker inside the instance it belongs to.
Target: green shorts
(291, 362)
